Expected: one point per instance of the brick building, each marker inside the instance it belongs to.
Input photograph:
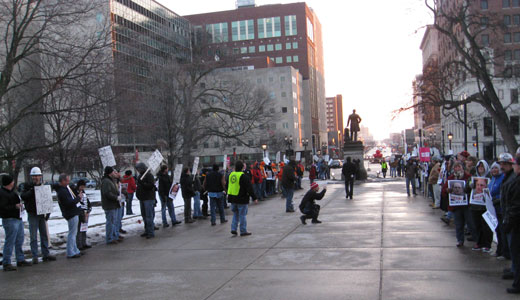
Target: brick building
(335, 121)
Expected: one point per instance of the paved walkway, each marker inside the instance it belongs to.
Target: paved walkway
(381, 245)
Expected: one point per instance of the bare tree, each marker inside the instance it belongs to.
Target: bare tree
(462, 25)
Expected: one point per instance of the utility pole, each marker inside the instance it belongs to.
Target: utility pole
(465, 127)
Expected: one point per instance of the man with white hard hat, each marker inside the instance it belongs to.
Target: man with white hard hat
(36, 222)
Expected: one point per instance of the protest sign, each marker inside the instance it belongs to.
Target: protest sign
(107, 156)
(43, 195)
(267, 161)
(424, 154)
(477, 193)
(154, 162)
(83, 227)
(225, 163)
(491, 220)
(174, 189)
(298, 156)
(457, 197)
(195, 165)
(278, 155)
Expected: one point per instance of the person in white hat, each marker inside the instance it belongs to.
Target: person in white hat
(36, 222)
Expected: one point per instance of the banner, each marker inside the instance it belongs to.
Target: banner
(424, 154)
(43, 195)
(107, 156)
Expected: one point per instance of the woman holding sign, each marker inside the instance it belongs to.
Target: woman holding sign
(456, 188)
(478, 207)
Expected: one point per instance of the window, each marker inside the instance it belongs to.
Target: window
(236, 50)
(278, 47)
(516, 37)
(506, 4)
(272, 110)
(484, 4)
(501, 94)
(484, 22)
(514, 95)
(242, 30)
(284, 94)
(285, 125)
(508, 55)
(507, 20)
(290, 25)
(310, 30)
(516, 20)
(282, 78)
(243, 50)
(271, 79)
(216, 145)
(295, 58)
(261, 48)
(288, 46)
(295, 109)
(295, 45)
(515, 124)
(252, 49)
(284, 110)
(517, 54)
(516, 3)
(272, 95)
(485, 40)
(289, 59)
(279, 60)
(206, 145)
(251, 143)
(488, 126)
(217, 33)
(270, 48)
(294, 95)
(507, 38)
(269, 27)
(273, 126)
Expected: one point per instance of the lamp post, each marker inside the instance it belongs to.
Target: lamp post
(475, 125)
(264, 147)
(288, 145)
(305, 143)
(450, 137)
(442, 135)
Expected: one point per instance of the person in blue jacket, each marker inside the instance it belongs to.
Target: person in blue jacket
(497, 177)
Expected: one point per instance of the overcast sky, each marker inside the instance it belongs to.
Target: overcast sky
(371, 53)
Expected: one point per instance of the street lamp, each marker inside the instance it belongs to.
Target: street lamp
(305, 143)
(450, 137)
(264, 147)
(475, 125)
(288, 145)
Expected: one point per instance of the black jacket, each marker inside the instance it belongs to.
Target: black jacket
(246, 191)
(109, 194)
(29, 198)
(145, 188)
(349, 169)
(214, 182)
(8, 201)
(165, 184)
(187, 186)
(510, 199)
(309, 199)
(288, 177)
(68, 204)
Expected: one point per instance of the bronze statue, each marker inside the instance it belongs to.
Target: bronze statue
(354, 121)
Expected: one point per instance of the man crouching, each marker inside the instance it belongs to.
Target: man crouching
(308, 206)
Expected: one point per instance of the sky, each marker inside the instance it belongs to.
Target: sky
(371, 53)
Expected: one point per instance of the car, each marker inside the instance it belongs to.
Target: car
(336, 164)
(91, 184)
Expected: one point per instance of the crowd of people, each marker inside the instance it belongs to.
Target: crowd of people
(463, 176)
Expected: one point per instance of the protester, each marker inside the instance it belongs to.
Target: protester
(204, 194)
(257, 181)
(288, 180)
(165, 184)
(497, 178)
(410, 171)
(433, 179)
(146, 194)
(10, 208)
(240, 190)
(312, 173)
(308, 206)
(300, 169)
(187, 194)
(110, 202)
(197, 188)
(349, 174)
(214, 185)
(36, 222)
(129, 181)
(506, 162)
(70, 210)
(483, 233)
(384, 168)
(86, 206)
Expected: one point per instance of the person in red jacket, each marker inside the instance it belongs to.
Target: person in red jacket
(128, 181)
(312, 173)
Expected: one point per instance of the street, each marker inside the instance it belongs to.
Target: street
(380, 245)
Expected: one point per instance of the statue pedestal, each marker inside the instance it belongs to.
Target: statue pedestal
(355, 150)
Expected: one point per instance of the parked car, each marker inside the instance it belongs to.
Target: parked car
(91, 184)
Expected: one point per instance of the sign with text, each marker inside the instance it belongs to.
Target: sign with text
(424, 154)
(491, 220)
(278, 157)
(154, 162)
(107, 156)
(457, 197)
(477, 194)
(43, 195)
(195, 165)
(174, 189)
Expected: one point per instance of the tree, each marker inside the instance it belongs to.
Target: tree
(468, 32)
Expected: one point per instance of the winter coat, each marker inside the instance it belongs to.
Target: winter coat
(130, 181)
(312, 172)
(8, 201)
(348, 170)
(434, 174)
(309, 200)
(512, 208)
(288, 177)
(145, 188)
(187, 186)
(246, 191)
(29, 198)
(411, 170)
(165, 184)
(506, 201)
(213, 182)
(68, 202)
(109, 194)
(494, 188)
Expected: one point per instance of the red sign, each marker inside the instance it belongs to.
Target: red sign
(424, 154)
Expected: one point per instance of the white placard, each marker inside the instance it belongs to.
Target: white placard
(267, 161)
(107, 156)
(174, 189)
(491, 220)
(477, 199)
(177, 173)
(489, 202)
(83, 227)
(457, 197)
(225, 162)
(154, 162)
(195, 165)
(298, 156)
(278, 154)
(326, 157)
(23, 212)
(43, 195)
(316, 158)
(477, 194)
(330, 161)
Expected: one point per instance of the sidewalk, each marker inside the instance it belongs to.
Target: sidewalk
(381, 245)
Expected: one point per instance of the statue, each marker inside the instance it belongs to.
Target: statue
(354, 121)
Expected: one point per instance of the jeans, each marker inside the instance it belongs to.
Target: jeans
(166, 202)
(312, 212)
(187, 208)
(217, 203)
(437, 194)
(288, 193)
(196, 205)
(299, 182)
(148, 213)
(72, 247)
(111, 216)
(412, 181)
(262, 188)
(13, 238)
(349, 187)
(205, 204)
(257, 188)
(129, 204)
(239, 216)
(463, 216)
(38, 223)
(119, 223)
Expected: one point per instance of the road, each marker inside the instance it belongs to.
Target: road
(380, 245)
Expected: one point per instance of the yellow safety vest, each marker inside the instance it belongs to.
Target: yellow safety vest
(234, 183)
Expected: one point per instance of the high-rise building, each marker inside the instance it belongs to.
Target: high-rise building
(335, 121)
(283, 34)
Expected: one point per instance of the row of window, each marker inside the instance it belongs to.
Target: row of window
(508, 3)
(288, 59)
(264, 48)
(488, 125)
(511, 38)
(511, 20)
(245, 29)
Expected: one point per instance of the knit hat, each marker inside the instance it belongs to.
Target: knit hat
(465, 154)
(108, 170)
(6, 180)
(314, 185)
